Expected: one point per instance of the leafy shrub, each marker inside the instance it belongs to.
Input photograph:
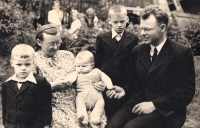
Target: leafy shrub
(192, 33)
(14, 26)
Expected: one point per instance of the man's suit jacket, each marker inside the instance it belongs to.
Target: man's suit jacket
(112, 59)
(29, 107)
(169, 82)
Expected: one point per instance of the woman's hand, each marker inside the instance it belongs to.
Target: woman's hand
(100, 86)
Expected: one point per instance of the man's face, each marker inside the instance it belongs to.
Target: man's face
(150, 30)
(22, 66)
(118, 22)
(51, 44)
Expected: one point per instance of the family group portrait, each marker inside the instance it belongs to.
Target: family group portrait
(99, 64)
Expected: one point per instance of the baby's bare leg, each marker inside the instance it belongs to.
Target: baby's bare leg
(82, 115)
(95, 119)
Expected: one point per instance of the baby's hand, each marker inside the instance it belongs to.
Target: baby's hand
(111, 93)
(68, 81)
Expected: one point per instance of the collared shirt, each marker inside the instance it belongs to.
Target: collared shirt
(114, 33)
(159, 47)
(30, 78)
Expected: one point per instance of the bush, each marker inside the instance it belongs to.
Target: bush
(14, 26)
(192, 33)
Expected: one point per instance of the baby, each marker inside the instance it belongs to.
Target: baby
(88, 98)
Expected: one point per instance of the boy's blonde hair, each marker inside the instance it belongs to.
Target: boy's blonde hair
(85, 54)
(117, 10)
(22, 51)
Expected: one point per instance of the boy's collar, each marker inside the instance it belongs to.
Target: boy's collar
(114, 33)
(30, 78)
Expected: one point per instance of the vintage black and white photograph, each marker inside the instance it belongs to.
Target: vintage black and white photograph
(99, 64)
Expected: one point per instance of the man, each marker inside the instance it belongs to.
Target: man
(113, 50)
(162, 78)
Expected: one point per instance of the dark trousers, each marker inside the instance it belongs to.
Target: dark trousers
(124, 118)
(111, 106)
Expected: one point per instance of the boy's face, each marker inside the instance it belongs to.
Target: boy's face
(118, 22)
(22, 66)
(83, 66)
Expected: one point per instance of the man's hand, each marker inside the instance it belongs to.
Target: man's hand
(100, 86)
(143, 108)
(119, 92)
(111, 93)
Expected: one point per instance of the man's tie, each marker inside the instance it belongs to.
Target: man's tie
(118, 37)
(154, 54)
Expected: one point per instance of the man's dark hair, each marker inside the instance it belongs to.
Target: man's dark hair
(159, 14)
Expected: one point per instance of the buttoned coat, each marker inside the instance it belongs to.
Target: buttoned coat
(29, 107)
(113, 60)
(169, 82)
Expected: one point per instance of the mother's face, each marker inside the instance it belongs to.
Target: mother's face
(51, 44)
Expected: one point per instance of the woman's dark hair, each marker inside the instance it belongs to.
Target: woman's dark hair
(48, 29)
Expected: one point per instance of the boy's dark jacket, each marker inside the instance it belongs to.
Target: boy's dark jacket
(112, 58)
(29, 107)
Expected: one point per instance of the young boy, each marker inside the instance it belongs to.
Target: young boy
(113, 51)
(26, 98)
(88, 98)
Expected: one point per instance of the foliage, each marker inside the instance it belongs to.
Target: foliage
(175, 34)
(192, 33)
(14, 25)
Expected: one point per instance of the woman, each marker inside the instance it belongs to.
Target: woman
(55, 65)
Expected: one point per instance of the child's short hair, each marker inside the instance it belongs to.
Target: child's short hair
(85, 54)
(117, 10)
(22, 51)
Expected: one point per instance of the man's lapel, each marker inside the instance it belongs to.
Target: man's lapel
(164, 55)
(125, 41)
(145, 56)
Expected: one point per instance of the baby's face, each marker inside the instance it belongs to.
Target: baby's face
(22, 66)
(83, 66)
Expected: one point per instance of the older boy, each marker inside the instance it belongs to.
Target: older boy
(113, 51)
(26, 98)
